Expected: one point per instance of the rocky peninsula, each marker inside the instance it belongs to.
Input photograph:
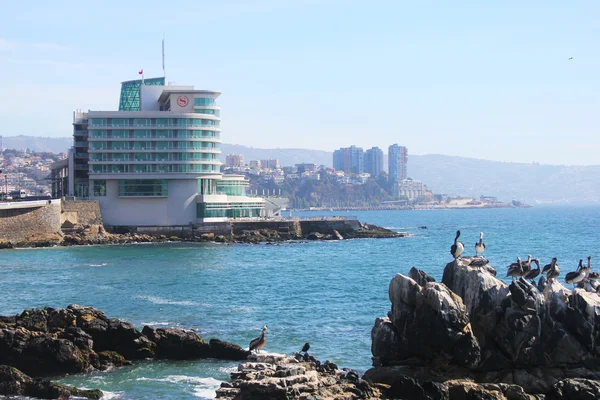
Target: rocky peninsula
(260, 232)
(52, 342)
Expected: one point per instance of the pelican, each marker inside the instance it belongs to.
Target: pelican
(260, 341)
(577, 275)
(515, 269)
(458, 247)
(532, 274)
(526, 265)
(554, 271)
(305, 347)
(548, 267)
(479, 246)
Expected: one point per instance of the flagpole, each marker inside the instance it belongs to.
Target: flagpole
(163, 60)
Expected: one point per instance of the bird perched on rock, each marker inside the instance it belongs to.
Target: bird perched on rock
(554, 271)
(515, 269)
(533, 273)
(548, 267)
(526, 265)
(458, 247)
(576, 276)
(260, 341)
(305, 347)
(479, 246)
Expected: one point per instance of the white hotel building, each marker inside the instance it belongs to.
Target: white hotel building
(159, 166)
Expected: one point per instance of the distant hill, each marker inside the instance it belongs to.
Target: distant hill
(533, 183)
(285, 156)
(49, 144)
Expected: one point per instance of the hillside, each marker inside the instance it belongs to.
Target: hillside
(40, 144)
(533, 183)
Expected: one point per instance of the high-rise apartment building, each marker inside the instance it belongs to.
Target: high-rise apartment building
(374, 161)
(349, 159)
(397, 162)
(270, 163)
(234, 160)
(156, 161)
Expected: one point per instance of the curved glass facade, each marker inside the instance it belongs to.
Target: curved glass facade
(130, 93)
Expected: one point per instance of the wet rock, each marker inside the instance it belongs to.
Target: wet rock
(575, 389)
(315, 236)
(15, 383)
(177, 344)
(227, 351)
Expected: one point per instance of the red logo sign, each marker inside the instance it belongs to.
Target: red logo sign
(183, 101)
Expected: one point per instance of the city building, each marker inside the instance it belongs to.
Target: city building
(349, 159)
(397, 161)
(310, 167)
(157, 165)
(413, 190)
(234, 160)
(269, 164)
(255, 164)
(374, 161)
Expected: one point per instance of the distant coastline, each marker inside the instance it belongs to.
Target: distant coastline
(416, 207)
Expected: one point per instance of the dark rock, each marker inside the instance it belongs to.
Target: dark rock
(33, 320)
(575, 389)
(177, 344)
(405, 387)
(123, 338)
(315, 236)
(421, 277)
(15, 383)
(227, 351)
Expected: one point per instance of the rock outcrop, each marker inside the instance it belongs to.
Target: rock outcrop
(276, 376)
(76, 339)
(15, 383)
(474, 326)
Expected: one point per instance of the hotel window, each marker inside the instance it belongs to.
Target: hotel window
(120, 134)
(142, 145)
(164, 134)
(143, 187)
(142, 156)
(164, 122)
(163, 157)
(98, 134)
(204, 101)
(99, 121)
(141, 122)
(120, 122)
(120, 145)
(164, 145)
(99, 188)
(142, 134)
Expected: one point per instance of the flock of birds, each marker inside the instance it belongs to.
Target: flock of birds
(582, 277)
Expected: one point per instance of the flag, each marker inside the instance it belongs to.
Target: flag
(141, 72)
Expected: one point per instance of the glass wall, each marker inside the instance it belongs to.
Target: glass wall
(229, 210)
(204, 101)
(143, 187)
(99, 187)
(231, 188)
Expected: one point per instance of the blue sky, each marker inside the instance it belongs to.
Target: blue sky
(479, 79)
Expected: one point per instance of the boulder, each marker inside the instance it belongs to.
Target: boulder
(315, 236)
(421, 277)
(431, 323)
(385, 343)
(227, 351)
(15, 383)
(177, 344)
(575, 389)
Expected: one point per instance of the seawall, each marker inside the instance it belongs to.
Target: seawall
(30, 221)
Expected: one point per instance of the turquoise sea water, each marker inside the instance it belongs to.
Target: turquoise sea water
(326, 293)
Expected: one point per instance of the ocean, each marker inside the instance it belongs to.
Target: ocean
(325, 293)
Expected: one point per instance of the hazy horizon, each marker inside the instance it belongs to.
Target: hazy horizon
(477, 80)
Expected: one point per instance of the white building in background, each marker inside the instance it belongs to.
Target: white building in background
(159, 165)
(234, 160)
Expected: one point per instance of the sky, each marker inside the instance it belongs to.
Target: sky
(480, 79)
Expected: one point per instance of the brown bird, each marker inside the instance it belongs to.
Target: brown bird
(260, 341)
(305, 347)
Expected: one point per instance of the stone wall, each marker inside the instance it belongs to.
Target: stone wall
(292, 227)
(30, 223)
(327, 226)
(82, 212)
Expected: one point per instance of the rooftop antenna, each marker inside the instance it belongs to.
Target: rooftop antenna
(163, 58)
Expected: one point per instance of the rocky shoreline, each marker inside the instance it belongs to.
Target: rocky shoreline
(51, 342)
(97, 235)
